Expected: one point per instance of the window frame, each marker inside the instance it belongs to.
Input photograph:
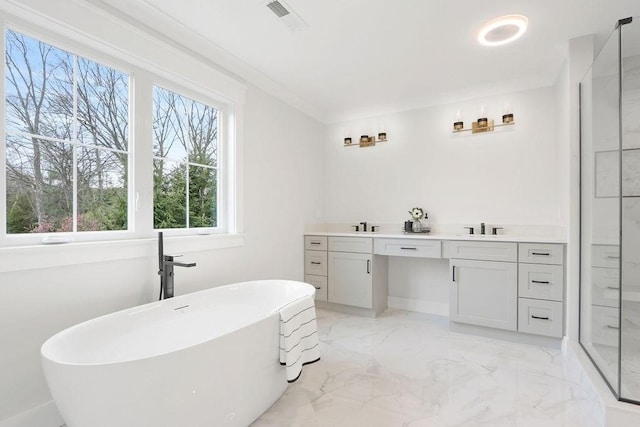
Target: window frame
(140, 149)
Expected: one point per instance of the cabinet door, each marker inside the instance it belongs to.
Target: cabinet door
(350, 280)
(484, 293)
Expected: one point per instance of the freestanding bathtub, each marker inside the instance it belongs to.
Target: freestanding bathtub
(209, 358)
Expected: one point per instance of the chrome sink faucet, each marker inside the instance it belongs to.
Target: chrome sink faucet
(166, 264)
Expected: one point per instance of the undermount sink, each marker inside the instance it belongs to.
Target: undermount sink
(480, 236)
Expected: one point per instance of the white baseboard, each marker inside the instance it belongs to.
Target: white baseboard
(410, 304)
(45, 415)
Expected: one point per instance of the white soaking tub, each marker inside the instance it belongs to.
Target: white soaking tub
(210, 358)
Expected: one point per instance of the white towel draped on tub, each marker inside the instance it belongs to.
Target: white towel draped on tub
(298, 336)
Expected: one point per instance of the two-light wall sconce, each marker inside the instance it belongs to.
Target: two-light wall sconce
(483, 124)
(365, 140)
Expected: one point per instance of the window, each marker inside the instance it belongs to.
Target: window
(67, 148)
(185, 173)
(76, 166)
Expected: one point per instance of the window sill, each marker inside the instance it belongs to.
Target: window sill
(19, 258)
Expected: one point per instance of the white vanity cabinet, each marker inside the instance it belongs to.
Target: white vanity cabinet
(493, 282)
(483, 291)
(356, 277)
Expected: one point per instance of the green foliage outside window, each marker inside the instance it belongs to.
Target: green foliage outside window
(67, 147)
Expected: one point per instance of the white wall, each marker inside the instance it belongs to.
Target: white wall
(282, 179)
(509, 176)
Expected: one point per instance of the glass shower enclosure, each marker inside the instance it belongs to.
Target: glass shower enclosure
(610, 211)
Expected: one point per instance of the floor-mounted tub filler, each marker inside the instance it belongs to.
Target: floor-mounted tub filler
(209, 358)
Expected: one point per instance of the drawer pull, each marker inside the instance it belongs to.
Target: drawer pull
(539, 317)
(613, 256)
(541, 253)
(315, 263)
(409, 249)
(613, 327)
(316, 243)
(368, 266)
(541, 282)
(453, 269)
(615, 288)
(318, 287)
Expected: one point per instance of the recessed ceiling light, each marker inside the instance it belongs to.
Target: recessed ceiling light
(502, 30)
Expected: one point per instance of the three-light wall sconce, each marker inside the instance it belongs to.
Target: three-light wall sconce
(483, 124)
(365, 140)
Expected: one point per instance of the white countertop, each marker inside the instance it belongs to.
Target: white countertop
(436, 236)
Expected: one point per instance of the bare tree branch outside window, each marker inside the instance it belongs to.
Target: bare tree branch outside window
(67, 140)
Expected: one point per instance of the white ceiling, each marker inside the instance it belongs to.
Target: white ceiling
(365, 57)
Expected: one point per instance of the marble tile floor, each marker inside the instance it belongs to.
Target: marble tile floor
(408, 369)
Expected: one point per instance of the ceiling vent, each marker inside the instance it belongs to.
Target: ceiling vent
(287, 15)
(277, 8)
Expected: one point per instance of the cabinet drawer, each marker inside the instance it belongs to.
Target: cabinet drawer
(605, 325)
(605, 286)
(362, 245)
(489, 251)
(541, 253)
(315, 262)
(540, 317)
(320, 283)
(408, 247)
(315, 243)
(605, 256)
(541, 281)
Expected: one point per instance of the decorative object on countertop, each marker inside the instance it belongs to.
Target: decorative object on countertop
(420, 221)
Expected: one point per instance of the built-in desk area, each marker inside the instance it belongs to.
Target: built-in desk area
(503, 282)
